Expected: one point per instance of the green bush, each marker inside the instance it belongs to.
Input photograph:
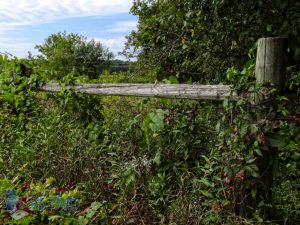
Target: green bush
(148, 161)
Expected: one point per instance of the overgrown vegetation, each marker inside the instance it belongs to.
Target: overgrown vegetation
(71, 158)
(77, 159)
(201, 39)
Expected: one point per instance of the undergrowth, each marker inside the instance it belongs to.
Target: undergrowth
(71, 158)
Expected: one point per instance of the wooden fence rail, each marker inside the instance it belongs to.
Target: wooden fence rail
(183, 91)
(270, 66)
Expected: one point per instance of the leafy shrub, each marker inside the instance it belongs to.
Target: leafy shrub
(151, 161)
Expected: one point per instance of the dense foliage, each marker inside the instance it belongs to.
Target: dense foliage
(78, 159)
(200, 39)
(71, 158)
(64, 53)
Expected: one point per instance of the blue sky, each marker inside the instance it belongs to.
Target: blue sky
(25, 23)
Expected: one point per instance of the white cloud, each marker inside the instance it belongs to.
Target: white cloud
(114, 45)
(16, 49)
(17, 13)
(123, 26)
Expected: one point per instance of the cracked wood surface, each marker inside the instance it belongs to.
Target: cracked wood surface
(181, 91)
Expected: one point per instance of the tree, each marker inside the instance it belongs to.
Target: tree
(64, 53)
(200, 39)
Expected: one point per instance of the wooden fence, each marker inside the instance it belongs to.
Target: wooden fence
(185, 91)
(270, 66)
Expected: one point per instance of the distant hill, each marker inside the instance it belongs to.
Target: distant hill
(119, 66)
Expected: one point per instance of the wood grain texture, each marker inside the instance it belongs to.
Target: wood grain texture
(271, 60)
(181, 91)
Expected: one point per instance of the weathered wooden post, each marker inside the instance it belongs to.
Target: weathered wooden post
(271, 63)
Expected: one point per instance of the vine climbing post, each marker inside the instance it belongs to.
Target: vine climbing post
(271, 64)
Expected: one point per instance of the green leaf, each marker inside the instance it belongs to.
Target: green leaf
(173, 80)
(226, 103)
(249, 161)
(82, 220)
(218, 126)
(157, 120)
(207, 194)
(206, 182)
(276, 140)
(231, 73)
(55, 217)
(252, 170)
(253, 128)
(93, 209)
(257, 151)
(19, 214)
(157, 157)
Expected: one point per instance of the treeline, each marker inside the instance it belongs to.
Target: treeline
(64, 53)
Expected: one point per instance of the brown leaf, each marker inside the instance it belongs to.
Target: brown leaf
(262, 138)
(115, 221)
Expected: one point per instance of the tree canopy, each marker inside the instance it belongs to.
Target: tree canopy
(64, 53)
(200, 39)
